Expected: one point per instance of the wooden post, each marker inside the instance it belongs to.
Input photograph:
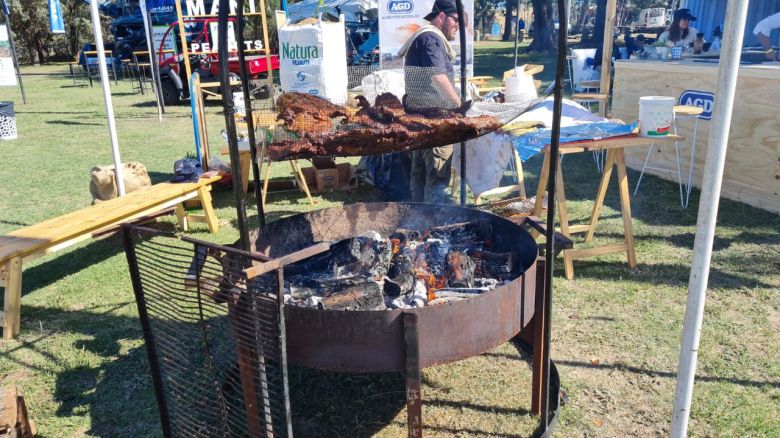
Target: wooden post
(13, 298)
(606, 51)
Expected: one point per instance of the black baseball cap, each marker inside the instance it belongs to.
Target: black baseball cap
(683, 13)
(446, 6)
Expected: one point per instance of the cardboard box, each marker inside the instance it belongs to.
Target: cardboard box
(340, 177)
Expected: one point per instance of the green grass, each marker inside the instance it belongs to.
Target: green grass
(81, 363)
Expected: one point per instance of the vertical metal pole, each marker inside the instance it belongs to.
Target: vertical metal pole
(736, 14)
(517, 29)
(153, 64)
(463, 86)
(250, 121)
(550, 237)
(283, 349)
(120, 183)
(413, 377)
(151, 346)
(7, 15)
(230, 123)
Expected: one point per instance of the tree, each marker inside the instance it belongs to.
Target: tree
(542, 26)
(509, 20)
(31, 29)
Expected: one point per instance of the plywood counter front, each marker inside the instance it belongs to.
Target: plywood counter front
(752, 172)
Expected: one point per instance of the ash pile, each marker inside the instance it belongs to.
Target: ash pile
(405, 269)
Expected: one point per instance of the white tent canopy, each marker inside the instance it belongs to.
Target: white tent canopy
(350, 8)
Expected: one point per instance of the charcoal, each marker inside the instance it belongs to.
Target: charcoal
(400, 264)
(367, 296)
(498, 265)
(360, 255)
(459, 269)
(400, 285)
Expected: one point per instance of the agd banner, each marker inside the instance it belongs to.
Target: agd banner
(55, 17)
(400, 19)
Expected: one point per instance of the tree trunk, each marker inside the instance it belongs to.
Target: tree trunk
(583, 17)
(597, 39)
(509, 21)
(542, 26)
(41, 52)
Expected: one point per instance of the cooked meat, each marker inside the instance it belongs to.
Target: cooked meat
(309, 104)
(381, 128)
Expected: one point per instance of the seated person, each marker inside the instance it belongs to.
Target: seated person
(635, 45)
(680, 32)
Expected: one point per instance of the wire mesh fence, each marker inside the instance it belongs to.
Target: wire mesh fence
(215, 340)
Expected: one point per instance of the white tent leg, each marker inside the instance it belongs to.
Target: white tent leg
(736, 13)
(120, 183)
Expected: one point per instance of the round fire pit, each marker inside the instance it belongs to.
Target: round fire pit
(376, 341)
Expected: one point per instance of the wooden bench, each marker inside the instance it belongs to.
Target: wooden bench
(26, 244)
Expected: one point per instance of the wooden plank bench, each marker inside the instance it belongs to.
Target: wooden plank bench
(26, 244)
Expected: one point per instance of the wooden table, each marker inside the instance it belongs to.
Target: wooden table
(615, 157)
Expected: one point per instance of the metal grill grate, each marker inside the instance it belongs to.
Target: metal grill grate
(215, 340)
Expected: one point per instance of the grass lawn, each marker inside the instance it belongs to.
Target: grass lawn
(81, 362)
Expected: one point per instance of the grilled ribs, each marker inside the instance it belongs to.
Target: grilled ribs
(384, 127)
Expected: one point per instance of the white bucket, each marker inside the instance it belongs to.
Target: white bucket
(655, 115)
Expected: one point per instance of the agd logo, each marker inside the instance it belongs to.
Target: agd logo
(702, 99)
(400, 6)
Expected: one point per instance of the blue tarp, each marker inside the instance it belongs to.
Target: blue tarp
(712, 13)
(530, 144)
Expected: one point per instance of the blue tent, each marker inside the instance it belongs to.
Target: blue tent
(712, 13)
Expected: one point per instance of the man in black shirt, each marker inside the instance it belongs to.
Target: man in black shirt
(430, 82)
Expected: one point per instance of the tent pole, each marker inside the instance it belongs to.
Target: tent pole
(463, 92)
(230, 123)
(120, 183)
(7, 15)
(153, 64)
(736, 14)
(517, 29)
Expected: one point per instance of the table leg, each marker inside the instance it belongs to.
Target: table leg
(13, 298)
(606, 174)
(204, 194)
(302, 180)
(181, 215)
(625, 206)
(266, 178)
(245, 162)
(563, 215)
(519, 172)
(544, 176)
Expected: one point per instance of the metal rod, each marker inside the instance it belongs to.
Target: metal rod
(736, 14)
(7, 15)
(517, 29)
(550, 237)
(250, 121)
(120, 183)
(463, 86)
(151, 346)
(230, 122)
(413, 377)
(154, 66)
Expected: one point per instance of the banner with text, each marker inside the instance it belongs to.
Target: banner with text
(400, 19)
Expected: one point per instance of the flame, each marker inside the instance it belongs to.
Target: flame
(396, 245)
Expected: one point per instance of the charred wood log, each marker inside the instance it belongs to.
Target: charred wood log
(459, 268)
(366, 296)
(399, 285)
(498, 265)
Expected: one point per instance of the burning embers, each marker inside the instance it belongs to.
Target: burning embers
(408, 268)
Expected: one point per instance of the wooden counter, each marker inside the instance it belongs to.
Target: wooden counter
(752, 172)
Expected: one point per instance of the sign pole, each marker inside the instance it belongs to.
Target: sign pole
(7, 16)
